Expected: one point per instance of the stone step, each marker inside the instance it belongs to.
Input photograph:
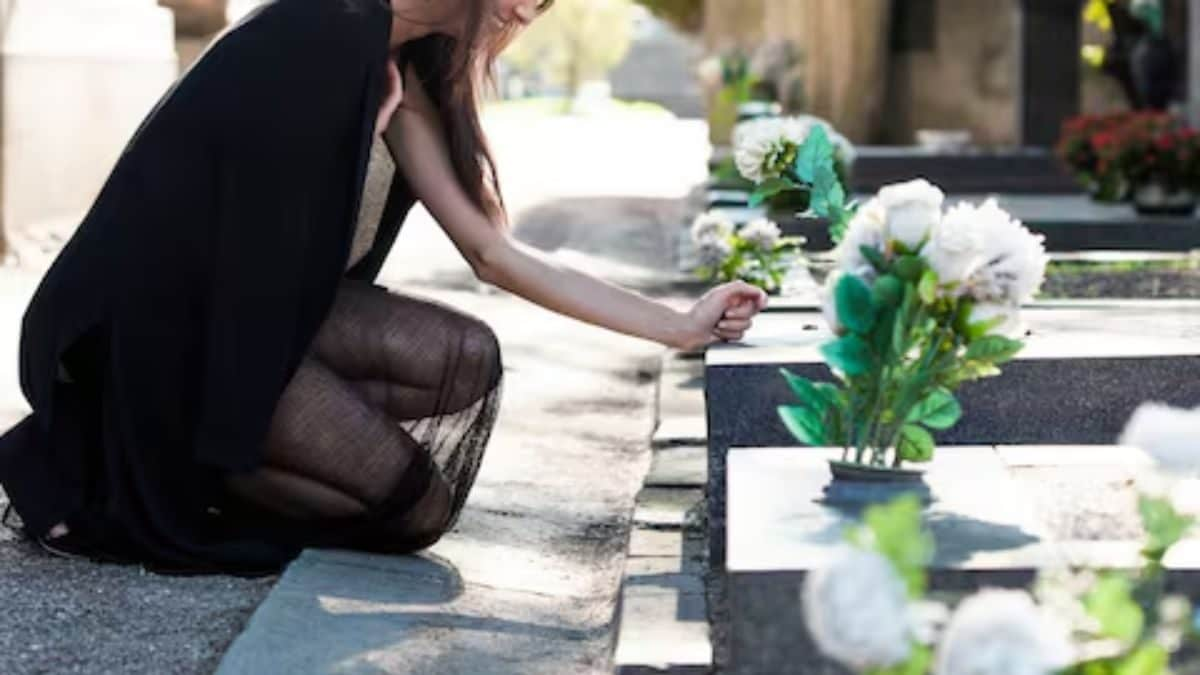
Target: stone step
(680, 430)
(662, 617)
(668, 508)
(680, 388)
(684, 466)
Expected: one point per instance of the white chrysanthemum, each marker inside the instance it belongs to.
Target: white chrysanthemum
(762, 233)
(913, 210)
(955, 248)
(714, 251)
(864, 229)
(857, 611)
(1170, 435)
(1015, 258)
(709, 226)
(1002, 632)
(760, 144)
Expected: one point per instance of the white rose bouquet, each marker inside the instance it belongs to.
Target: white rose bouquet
(756, 253)
(921, 301)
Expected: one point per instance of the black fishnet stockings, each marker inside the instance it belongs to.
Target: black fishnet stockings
(384, 423)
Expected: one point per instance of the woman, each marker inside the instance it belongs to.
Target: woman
(216, 380)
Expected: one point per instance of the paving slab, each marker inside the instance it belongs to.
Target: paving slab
(995, 523)
(1084, 371)
(681, 388)
(668, 508)
(680, 430)
(679, 466)
(662, 618)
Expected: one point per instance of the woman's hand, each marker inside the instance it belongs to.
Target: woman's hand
(724, 313)
(392, 99)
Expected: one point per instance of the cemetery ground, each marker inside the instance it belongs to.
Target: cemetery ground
(528, 580)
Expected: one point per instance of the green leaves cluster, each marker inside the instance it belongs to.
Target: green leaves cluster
(902, 351)
(814, 167)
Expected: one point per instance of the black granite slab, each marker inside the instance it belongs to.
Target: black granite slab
(1070, 222)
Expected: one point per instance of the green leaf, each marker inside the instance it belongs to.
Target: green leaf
(915, 444)
(813, 153)
(1110, 602)
(812, 395)
(993, 349)
(1149, 659)
(968, 371)
(849, 354)
(768, 189)
(894, 530)
(874, 257)
(888, 290)
(804, 424)
(939, 410)
(927, 288)
(910, 267)
(1164, 526)
(902, 329)
(852, 297)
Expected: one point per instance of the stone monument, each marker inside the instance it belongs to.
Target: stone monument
(79, 76)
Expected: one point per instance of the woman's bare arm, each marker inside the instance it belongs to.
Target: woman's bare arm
(417, 142)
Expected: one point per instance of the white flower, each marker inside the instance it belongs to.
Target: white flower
(955, 249)
(829, 304)
(857, 611)
(760, 145)
(1008, 316)
(711, 72)
(1002, 632)
(913, 210)
(762, 233)
(709, 226)
(1170, 435)
(714, 251)
(864, 229)
(1014, 258)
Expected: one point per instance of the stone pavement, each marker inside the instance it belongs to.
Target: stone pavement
(527, 581)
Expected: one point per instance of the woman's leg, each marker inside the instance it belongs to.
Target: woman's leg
(336, 448)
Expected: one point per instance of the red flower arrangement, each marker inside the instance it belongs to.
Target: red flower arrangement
(1132, 149)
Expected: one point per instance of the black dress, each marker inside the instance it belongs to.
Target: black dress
(194, 297)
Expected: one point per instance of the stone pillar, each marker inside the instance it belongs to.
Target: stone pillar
(1049, 68)
(1194, 62)
(79, 76)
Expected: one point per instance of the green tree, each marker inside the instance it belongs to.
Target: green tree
(686, 15)
(575, 41)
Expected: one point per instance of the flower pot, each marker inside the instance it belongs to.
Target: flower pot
(860, 485)
(865, 473)
(1155, 198)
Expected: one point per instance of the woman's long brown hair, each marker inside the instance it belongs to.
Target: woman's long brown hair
(456, 72)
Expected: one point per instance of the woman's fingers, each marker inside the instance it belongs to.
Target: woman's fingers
(729, 336)
(742, 325)
(743, 311)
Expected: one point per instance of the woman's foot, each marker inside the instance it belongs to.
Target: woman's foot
(60, 542)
